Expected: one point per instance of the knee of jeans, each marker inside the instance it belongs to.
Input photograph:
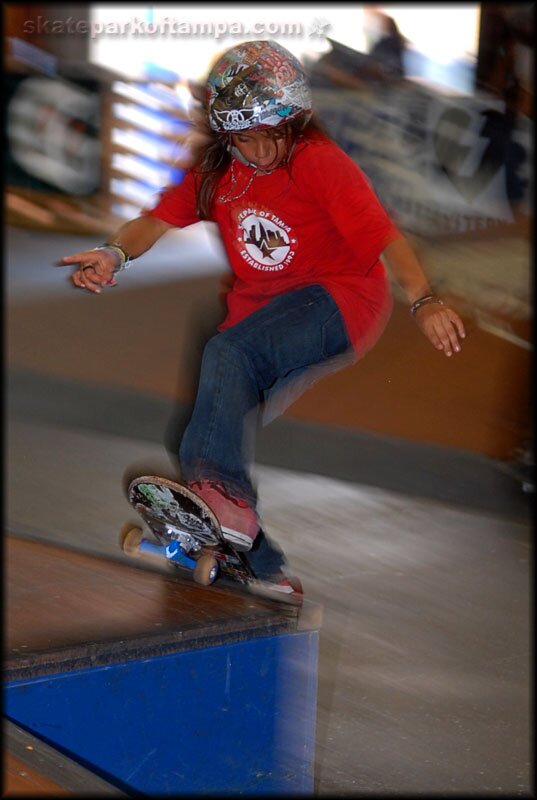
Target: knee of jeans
(222, 349)
(335, 339)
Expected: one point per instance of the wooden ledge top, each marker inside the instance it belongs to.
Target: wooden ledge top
(69, 610)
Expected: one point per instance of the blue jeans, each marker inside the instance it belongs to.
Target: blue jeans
(242, 367)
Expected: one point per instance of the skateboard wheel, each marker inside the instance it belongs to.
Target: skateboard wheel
(131, 541)
(206, 570)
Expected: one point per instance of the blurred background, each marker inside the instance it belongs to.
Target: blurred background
(437, 110)
(416, 469)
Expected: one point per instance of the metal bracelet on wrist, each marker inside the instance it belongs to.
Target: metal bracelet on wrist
(423, 301)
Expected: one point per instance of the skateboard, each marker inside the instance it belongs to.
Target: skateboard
(187, 532)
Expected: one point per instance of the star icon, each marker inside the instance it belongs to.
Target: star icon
(319, 28)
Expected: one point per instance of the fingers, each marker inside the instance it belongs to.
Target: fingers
(85, 257)
(450, 339)
(457, 321)
(444, 329)
(88, 278)
(93, 272)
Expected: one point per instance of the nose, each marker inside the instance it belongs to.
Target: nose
(263, 148)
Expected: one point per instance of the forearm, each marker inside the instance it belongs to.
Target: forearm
(404, 267)
(139, 234)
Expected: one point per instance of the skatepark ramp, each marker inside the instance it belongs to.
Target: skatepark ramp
(151, 684)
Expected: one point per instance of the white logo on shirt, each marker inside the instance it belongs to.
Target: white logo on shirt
(267, 245)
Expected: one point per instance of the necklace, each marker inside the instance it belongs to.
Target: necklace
(225, 198)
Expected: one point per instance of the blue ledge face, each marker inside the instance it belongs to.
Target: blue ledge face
(237, 718)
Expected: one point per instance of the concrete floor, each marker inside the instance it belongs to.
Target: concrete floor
(424, 656)
(424, 674)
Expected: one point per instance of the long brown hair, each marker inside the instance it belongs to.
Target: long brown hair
(213, 155)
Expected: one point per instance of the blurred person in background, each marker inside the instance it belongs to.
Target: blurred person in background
(384, 63)
(387, 53)
(304, 233)
(505, 41)
(505, 51)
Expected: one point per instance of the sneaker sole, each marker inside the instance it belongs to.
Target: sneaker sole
(240, 541)
(274, 592)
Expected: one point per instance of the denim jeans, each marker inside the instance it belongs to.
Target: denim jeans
(241, 367)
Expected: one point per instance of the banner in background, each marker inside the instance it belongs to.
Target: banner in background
(440, 164)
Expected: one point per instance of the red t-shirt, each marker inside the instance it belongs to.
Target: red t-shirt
(315, 221)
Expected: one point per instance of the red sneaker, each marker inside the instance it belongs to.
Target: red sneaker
(238, 520)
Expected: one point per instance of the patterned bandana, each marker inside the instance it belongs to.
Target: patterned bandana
(256, 85)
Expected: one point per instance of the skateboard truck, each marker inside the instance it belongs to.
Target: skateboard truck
(205, 568)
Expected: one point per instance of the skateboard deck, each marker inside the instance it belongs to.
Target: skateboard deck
(187, 532)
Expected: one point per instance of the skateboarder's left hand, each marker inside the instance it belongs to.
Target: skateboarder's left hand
(442, 326)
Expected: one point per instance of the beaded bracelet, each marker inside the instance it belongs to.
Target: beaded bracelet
(124, 260)
(422, 301)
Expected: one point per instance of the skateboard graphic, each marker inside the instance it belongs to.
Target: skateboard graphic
(187, 532)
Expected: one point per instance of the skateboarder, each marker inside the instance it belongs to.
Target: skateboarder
(304, 233)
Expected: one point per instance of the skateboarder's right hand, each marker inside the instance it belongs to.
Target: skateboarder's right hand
(95, 269)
